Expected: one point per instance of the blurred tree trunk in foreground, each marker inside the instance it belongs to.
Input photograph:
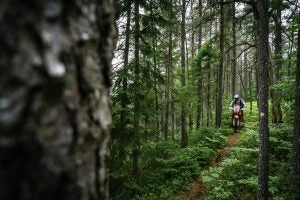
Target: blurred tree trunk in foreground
(55, 62)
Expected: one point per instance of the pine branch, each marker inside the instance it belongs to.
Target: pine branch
(250, 2)
(240, 44)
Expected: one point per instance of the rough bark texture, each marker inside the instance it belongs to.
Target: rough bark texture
(183, 74)
(296, 163)
(220, 69)
(276, 93)
(54, 102)
(263, 77)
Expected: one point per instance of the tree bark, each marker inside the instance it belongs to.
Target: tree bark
(55, 105)
(276, 93)
(168, 78)
(250, 88)
(220, 70)
(167, 89)
(233, 69)
(200, 85)
(245, 70)
(208, 95)
(263, 77)
(183, 74)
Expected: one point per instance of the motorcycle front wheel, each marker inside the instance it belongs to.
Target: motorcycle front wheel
(235, 123)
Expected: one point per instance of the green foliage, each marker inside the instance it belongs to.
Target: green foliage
(207, 55)
(208, 137)
(238, 173)
(287, 85)
(166, 168)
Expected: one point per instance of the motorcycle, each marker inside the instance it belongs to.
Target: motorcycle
(236, 117)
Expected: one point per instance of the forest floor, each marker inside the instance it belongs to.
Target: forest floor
(197, 189)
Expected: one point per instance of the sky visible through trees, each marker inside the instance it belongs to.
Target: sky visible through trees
(194, 56)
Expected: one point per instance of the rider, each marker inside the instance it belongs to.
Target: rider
(240, 102)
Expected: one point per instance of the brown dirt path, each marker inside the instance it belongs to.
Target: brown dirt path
(197, 189)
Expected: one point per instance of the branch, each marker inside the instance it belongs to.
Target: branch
(250, 2)
(244, 43)
(281, 28)
(243, 51)
(245, 15)
(293, 3)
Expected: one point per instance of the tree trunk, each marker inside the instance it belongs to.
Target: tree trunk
(250, 88)
(173, 119)
(172, 104)
(220, 69)
(276, 93)
(245, 70)
(168, 78)
(124, 97)
(167, 94)
(233, 69)
(200, 85)
(263, 77)
(291, 44)
(296, 159)
(136, 119)
(55, 115)
(208, 97)
(157, 110)
(183, 105)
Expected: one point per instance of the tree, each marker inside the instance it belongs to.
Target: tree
(220, 69)
(296, 147)
(124, 96)
(169, 66)
(276, 92)
(200, 81)
(136, 120)
(183, 74)
(55, 115)
(233, 64)
(261, 16)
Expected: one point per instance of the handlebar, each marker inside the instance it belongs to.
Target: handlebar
(240, 109)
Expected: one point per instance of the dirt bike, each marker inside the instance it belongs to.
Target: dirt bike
(236, 117)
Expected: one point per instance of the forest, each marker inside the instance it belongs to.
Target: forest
(177, 66)
(149, 99)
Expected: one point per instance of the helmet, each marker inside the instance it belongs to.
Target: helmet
(236, 96)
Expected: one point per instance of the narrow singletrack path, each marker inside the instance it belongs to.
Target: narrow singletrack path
(197, 189)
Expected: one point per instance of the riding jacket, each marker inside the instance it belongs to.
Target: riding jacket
(241, 102)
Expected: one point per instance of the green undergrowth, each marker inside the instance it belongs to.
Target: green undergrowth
(236, 178)
(166, 169)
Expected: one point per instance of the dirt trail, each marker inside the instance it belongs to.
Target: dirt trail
(197, 189)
